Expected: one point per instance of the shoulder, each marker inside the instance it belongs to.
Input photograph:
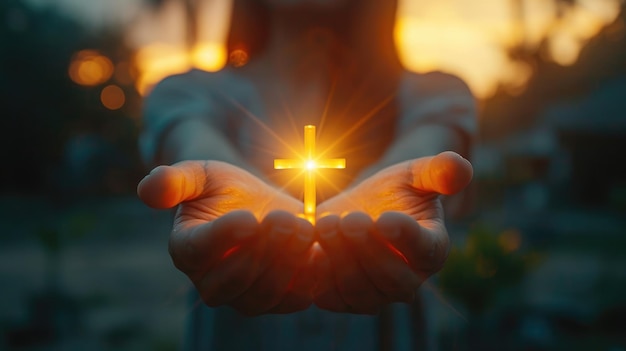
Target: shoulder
(436, 98)
(201, 83)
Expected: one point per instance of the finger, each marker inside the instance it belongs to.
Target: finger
(301, 287)
(167, 186)
(232, 276)
(386, 269)
(325, 295)
(354, 286)
(194, 249)
(446, 173)
(299, 294)
(425, 247)
(278, 228)
(296, 237)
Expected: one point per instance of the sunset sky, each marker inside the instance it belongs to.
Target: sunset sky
(466, 38)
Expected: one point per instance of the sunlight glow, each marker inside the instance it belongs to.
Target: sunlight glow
(310, 165)
(468, 39)
(472, 39)
(209, 57)
(162, 49)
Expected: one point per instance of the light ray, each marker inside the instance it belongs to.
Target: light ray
(359, 123)
(337, 189)
(331, 92)
(285, 105)
(262, 125)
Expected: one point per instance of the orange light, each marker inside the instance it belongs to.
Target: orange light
(238, 58)
(473, 42)
(397, 253)
(113, 97)
(208, 56)
(90, 68)
(157, 61)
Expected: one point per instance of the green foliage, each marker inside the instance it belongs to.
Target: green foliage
(487, 264)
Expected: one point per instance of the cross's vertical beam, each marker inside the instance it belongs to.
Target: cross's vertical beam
(309, 165)
(309, 176)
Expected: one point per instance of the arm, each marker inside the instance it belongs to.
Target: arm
(194, 139)
(185, 118)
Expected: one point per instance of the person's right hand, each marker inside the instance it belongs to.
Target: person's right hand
(237, 238)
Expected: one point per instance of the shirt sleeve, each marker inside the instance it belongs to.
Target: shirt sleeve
(173, 100)
(436, 98)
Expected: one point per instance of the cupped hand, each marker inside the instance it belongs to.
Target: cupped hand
(385, 236)
(236, 237)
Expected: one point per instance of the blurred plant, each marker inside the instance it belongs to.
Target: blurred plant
(489, 263)
(54, 236)
(53, 314)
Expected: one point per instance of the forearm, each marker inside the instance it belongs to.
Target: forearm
(194, 139)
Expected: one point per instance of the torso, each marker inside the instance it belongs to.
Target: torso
(356, 120)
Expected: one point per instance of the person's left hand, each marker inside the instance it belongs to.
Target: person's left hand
(237, 238)
(386, 235)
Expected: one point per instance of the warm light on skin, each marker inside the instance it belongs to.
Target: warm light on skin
(310, 165)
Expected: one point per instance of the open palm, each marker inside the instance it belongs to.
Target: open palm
(386, 235)
(236, 237)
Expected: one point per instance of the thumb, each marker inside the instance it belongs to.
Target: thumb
(446, 173)
(168, 186)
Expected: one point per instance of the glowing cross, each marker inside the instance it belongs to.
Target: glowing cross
(310, 164)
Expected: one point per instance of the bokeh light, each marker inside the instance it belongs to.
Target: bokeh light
(208, 56)
(161, 41)
(90, 68)
(113, 97)
(157, 61)
(238, 58)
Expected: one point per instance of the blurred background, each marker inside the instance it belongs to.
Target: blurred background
(538, 264)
